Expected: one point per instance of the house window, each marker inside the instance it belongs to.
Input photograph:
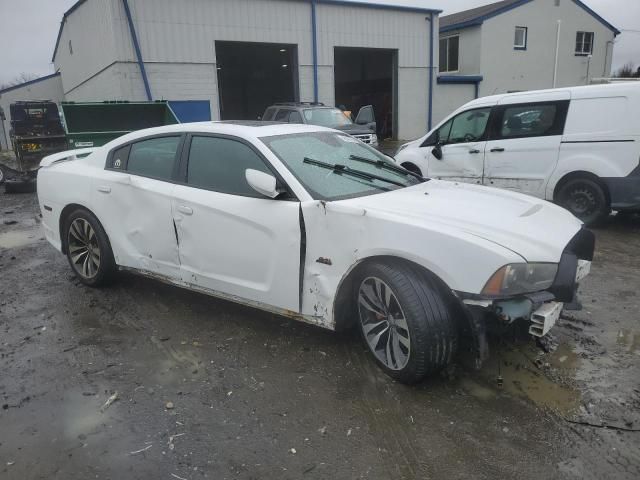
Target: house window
(520, 40)
(584, 43)
(449, 51)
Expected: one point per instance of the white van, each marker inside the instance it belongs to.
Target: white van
(577, 146)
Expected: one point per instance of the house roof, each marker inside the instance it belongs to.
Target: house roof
(476, 16)
(30, 82)
(409, 7)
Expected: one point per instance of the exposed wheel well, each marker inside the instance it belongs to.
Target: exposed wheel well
(581, 174)
(412, 167)
(344, 308)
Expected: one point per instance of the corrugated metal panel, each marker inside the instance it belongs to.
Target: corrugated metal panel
(89, 29)
(186, 31)
(340, 26)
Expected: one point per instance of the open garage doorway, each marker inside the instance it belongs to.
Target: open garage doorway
(252, 76)
(368, 76)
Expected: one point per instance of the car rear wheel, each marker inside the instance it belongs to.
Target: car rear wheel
(586, 199)
(406, 320)
(88, 249)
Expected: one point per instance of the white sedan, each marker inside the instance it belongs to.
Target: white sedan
(312, 224)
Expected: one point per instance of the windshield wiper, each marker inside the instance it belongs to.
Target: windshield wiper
(388, 166)
(337, 168)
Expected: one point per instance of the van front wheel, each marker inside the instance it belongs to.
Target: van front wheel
(586, 199)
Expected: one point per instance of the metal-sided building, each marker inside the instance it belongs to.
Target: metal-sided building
(235, 57)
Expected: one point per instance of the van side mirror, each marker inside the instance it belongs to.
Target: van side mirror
(437, 151)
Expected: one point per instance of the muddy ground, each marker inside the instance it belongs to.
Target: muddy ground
(208, 389)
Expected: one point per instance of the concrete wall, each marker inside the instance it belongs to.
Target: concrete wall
(48, 89)
(450, 96)
(505, 69)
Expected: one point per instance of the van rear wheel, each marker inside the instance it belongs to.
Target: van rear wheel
(586, 199)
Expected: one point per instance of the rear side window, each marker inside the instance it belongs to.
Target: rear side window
(119, 157)
(268, 114)
(283, 115)
(219, 164)
(295, 117)
(153, 158)
(531, 120)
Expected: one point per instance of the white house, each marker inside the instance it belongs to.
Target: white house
(516, 45)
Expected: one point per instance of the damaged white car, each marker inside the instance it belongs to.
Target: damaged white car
(312, 224)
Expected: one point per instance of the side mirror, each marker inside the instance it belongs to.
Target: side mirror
(261, 182)
(437, 151)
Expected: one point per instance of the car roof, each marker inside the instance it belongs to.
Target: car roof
(240, 128)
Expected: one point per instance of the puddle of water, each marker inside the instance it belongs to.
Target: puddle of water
(20, 238)
(521, 377)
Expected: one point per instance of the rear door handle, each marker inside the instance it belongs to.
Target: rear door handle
(474, 151)
(186, 210)
(497, 149)
(104, 189)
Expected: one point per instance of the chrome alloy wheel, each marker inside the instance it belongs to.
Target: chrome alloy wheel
(84, 250)
(383, 323)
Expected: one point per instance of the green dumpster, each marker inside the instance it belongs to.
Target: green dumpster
(93, 124)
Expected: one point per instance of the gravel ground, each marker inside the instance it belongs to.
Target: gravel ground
(144, 380)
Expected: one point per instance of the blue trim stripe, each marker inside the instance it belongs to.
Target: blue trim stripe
(431, 47)
(480, 19)
(30, 82)
(136, 46)
(597, 17)
(314, 46)
(381, 6)
(472, 22)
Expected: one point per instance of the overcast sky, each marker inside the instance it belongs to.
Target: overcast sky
(28, 30)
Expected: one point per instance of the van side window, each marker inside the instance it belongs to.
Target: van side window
(531, 120)
(467, 126)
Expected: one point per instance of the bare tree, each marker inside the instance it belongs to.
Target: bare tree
(628, 70)
(19, 79)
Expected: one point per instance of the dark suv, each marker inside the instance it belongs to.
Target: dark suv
(364, 128)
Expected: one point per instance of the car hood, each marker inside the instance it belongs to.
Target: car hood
(354, 129)
(535, 229)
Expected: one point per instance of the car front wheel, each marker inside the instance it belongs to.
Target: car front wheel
(405, 318)
(88, 249)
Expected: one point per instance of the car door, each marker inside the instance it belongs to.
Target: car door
(132, 200)
(524, 144)
(231, 239)
(455, 151)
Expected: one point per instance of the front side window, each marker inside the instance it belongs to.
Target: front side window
(153, 158)
(449, 52)
(268, 114)
(302, 152)
(326, 117)
(219, 164)
(584, 43)
(520, 40)
(465, 127)
(533, 120)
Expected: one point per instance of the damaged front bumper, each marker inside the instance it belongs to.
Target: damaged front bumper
(541, 309)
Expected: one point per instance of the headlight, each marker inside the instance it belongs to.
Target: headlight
(518, 278)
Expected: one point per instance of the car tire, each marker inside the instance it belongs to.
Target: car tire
(586, 199)
(88, 249)
(406, 320)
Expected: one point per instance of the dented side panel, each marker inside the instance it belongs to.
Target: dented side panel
(136, 213)
(246, 247)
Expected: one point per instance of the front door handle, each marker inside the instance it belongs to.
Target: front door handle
(186, 210)
(497, 149)
(104, 189)
(474, 151)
